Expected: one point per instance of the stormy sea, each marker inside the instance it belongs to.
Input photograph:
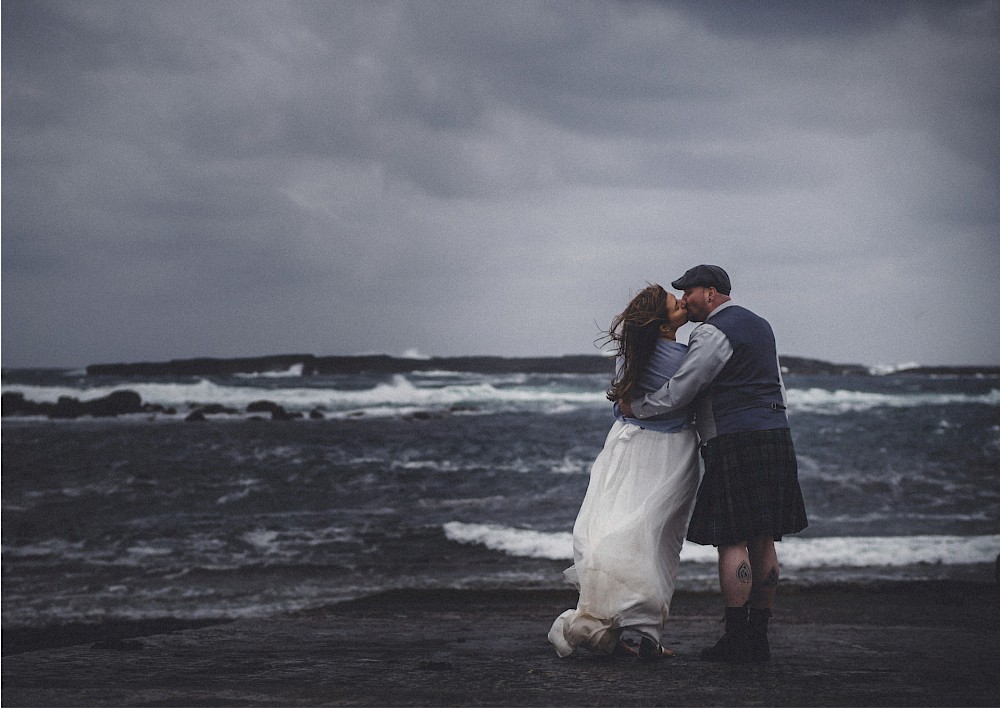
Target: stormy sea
(209, 489)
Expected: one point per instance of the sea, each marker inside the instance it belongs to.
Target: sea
(440, 479)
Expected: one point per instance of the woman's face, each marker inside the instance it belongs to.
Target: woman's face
(676, 312)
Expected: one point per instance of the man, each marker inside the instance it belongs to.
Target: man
(749, 496)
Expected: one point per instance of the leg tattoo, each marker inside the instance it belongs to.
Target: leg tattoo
(764, 589)
(743, 573)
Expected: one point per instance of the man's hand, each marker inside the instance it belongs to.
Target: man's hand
(626, 409)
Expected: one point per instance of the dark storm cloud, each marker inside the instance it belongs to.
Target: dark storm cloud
(189, 178)
(956, 94)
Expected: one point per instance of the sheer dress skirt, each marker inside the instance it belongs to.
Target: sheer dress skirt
(628, 536)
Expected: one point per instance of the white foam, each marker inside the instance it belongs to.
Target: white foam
(819, 400)
(889, 550)
(399, 393)
(884, 369)
(524, 543)
(473, 393)
(570, 464)
(414, 353)
(234, 496)
(262, 539)
(295, 370)
(793, 552)
(49, 547)
(147, 550)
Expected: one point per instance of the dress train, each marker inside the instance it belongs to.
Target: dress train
(628, 536)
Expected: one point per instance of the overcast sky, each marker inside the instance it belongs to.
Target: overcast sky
(186, 179)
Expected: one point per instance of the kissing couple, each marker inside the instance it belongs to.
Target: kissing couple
(722, 395)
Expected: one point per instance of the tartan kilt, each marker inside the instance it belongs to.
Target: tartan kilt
(750, 489)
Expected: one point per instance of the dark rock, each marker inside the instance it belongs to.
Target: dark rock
(584, 363)
(66, 407)
(276, 410)
(14, 403)
(991, 371)
(795, 365)
(264, 406)
(572, 364)
(116, 403)
(208, 366)
(578, 364)
(316, 414)
(216, 409)
(195, 416)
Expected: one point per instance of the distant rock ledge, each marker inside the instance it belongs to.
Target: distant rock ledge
(309, 365)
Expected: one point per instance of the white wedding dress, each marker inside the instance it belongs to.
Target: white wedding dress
(627, 537)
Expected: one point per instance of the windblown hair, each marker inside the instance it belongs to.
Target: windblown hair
(635, 333)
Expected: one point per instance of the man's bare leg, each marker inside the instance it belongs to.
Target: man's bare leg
(735, 575)
(764, 561)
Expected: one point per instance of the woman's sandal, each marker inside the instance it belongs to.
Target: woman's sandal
(651, 651)
(625, 648)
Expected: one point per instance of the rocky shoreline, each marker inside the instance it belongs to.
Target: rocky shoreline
(128, 402)
(310, 365)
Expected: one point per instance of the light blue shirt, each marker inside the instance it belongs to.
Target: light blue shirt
(666, 359)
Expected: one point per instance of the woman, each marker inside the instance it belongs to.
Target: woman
(629, 532)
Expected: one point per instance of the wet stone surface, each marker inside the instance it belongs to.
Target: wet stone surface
(901, 644)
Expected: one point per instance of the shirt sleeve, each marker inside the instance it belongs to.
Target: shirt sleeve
(708, 351)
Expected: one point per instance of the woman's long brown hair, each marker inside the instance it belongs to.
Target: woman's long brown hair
(635, 332)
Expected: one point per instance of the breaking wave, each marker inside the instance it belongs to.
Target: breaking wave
(836, 551)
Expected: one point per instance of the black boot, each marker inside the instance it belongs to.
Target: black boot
(759, 649)
(733, 648)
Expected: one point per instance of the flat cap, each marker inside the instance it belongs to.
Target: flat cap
(709, 276)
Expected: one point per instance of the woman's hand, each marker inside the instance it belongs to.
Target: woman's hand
(626, 408)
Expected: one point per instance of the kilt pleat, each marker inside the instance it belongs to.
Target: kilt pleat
(750, 489)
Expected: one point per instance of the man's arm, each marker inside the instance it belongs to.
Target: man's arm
(708, 351)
